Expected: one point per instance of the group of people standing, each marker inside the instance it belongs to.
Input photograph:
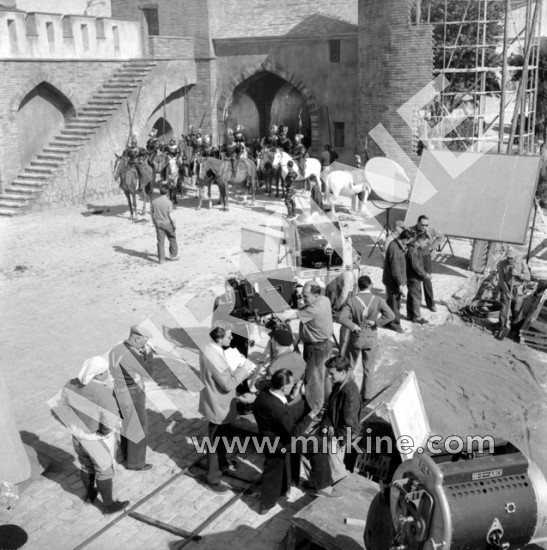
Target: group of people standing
(409, 253)
(318, 394)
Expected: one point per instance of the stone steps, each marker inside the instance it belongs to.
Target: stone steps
(29, 184)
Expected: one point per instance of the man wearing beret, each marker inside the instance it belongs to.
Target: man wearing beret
(284, 356)
(130, 363)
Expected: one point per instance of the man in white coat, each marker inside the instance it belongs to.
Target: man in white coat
(217, 400)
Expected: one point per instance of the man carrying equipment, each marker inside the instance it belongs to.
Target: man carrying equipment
(512, 274)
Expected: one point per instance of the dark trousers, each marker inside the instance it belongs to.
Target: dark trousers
(427, 283)
(368, 359)
(510, 309)
(276, 478)
(132, 404)
(291, 207)
(414, 300)
(217, 461)
(320, 474)
(162, 232)
(394, 302)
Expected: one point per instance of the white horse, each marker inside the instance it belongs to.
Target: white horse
(349, 184)
(172, 175)
(313, 166)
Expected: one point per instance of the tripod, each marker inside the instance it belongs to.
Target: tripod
(386, 228)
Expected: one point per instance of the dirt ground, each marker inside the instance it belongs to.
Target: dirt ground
(73, 280)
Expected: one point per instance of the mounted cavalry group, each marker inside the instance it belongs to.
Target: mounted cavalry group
(194, 162)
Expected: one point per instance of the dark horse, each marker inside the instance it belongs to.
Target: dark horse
(271, 174)
(134, 178)
(220, 172)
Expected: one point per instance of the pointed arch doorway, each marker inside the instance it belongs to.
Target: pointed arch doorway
(269, 96)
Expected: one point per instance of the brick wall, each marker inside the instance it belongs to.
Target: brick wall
(170, 47)
(76, 80)
(395, 63)
(87, 175)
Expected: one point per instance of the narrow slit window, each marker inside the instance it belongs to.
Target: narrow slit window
(339, 135)
(334, 51)
(85, 37)
(116, 36)
(50, 32)
(12, 33)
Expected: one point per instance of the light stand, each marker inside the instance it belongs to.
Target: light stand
(386, 228)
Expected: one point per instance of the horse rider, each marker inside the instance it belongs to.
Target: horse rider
(183, 150)
(299, 153)
(239, 136)
(207, 148)
(152, 146)
(133, 151)
(195, 134)
(284, 142)
(172, 150)
(271, 141)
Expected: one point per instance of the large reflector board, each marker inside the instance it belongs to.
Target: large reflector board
(477, 196)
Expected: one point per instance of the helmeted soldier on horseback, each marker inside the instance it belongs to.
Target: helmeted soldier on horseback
(284, 142)
(271, 141)
(239, 136)
(133, 152)
(152, 146)
(207, 148)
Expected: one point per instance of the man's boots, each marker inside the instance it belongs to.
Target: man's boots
(88, 481)
(109, 506)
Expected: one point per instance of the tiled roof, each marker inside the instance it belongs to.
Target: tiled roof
(255, 18)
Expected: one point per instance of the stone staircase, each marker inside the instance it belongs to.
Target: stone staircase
(16, 197)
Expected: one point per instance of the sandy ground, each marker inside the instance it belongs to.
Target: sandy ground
(72, 282)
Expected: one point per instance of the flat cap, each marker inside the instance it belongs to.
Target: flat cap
(140, 331)
(511, 252)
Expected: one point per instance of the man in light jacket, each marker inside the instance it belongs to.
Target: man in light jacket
(217, 400)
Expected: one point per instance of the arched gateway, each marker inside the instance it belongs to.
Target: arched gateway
(266, 95)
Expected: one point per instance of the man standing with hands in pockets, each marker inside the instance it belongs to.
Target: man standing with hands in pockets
(162, 218)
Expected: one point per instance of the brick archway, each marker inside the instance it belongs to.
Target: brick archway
(270, 67)
(35, 81)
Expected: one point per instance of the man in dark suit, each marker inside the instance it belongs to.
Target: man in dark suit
(362, 315)
(416, 274)
(342, 413)
(278, 421)
(429, 249)
(394, 276)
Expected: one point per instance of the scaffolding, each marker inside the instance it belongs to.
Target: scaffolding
(488, 51)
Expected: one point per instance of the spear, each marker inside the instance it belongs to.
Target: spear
(164, 107)
(187, 106)
(132, 118)
(328, 122)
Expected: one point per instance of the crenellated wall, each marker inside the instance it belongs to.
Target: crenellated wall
(55, 36)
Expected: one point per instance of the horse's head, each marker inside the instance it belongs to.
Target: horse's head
(119, 163)
(277, 158)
